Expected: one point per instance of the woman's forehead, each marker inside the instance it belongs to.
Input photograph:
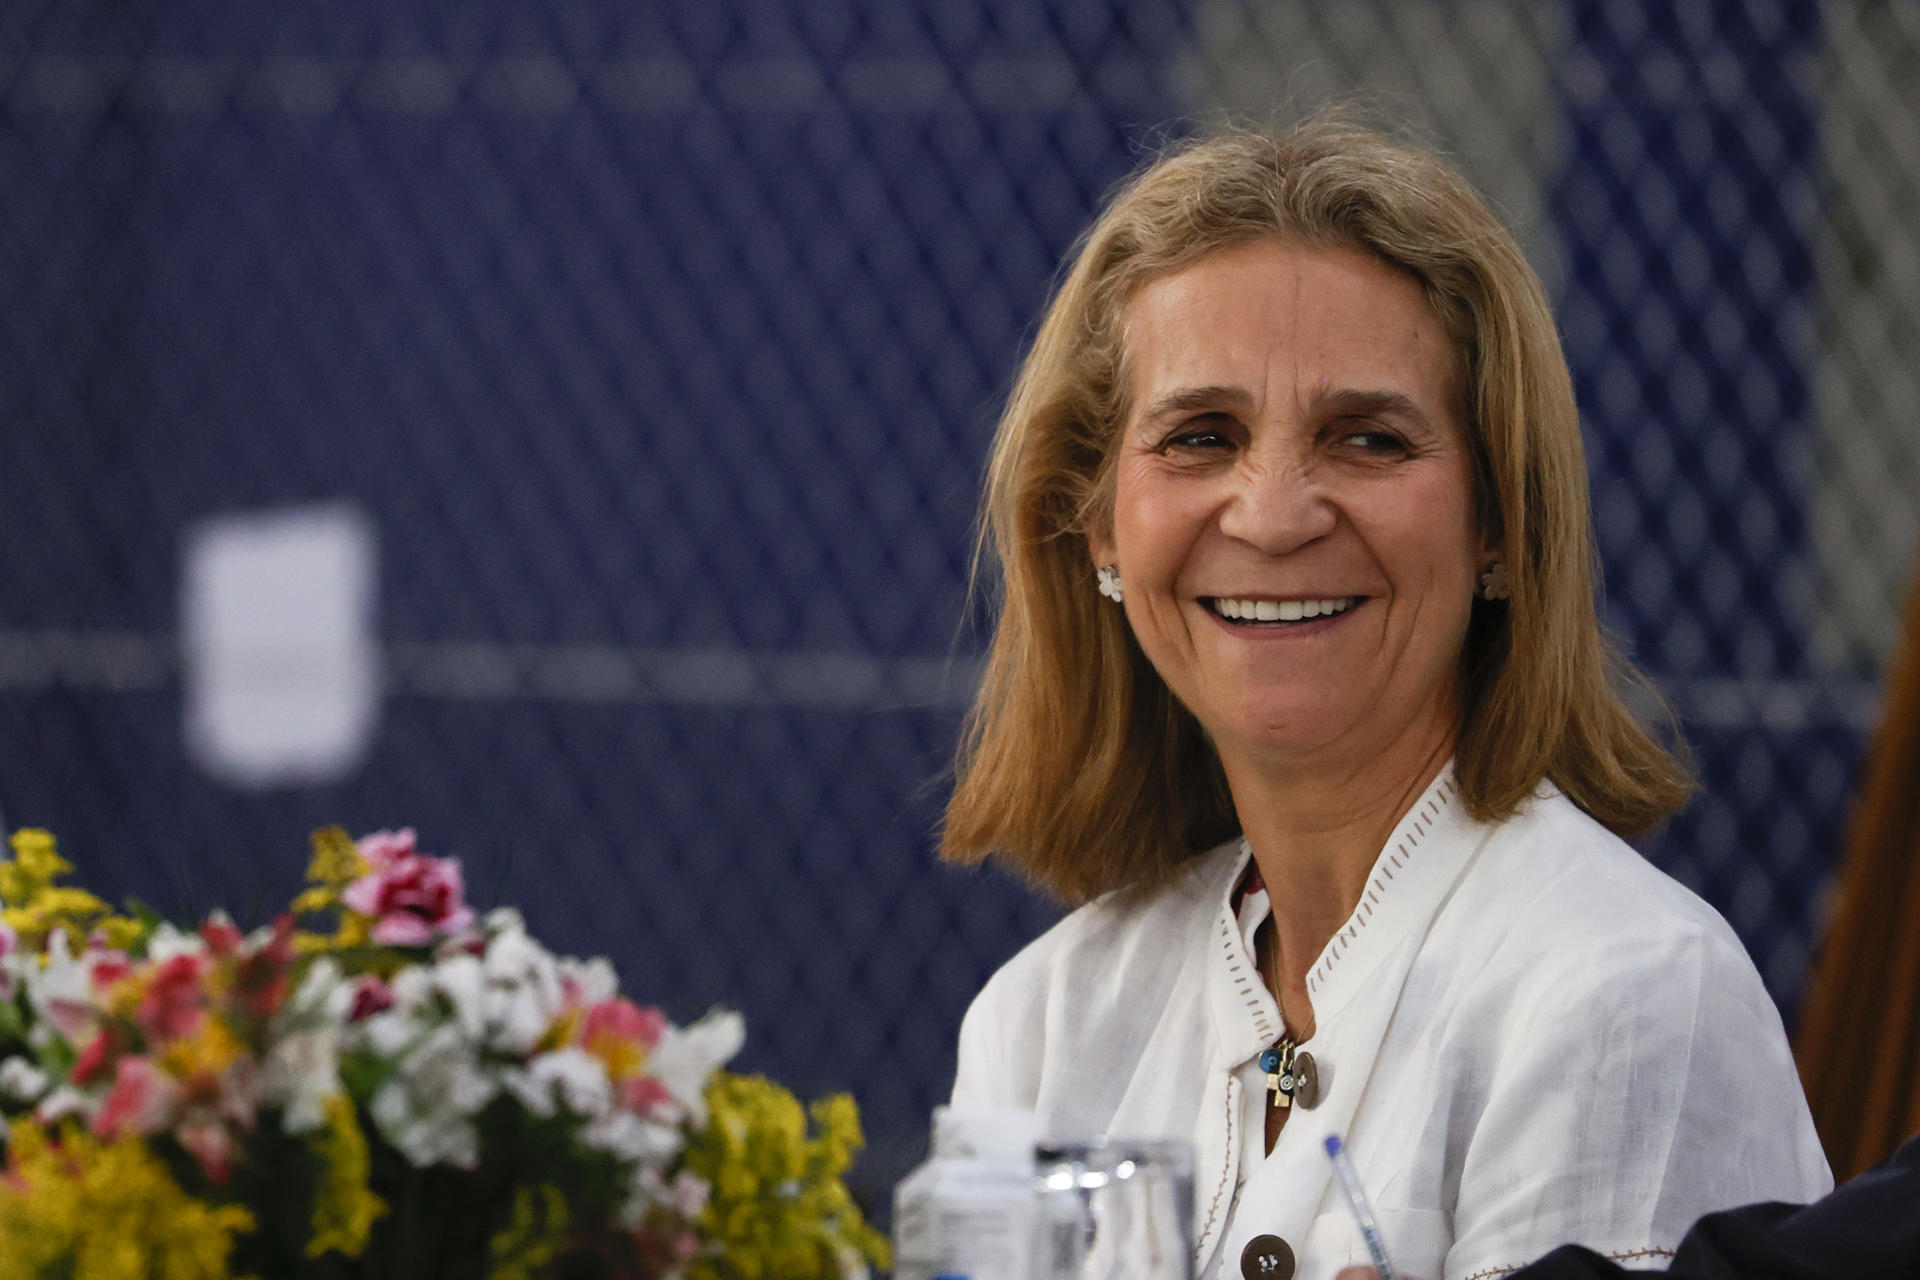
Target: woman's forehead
(1271, 318)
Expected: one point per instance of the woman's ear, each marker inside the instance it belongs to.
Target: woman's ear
(1491, 548)
(1100, 547)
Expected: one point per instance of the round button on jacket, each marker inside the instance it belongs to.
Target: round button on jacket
(1306, 1081)
(1266, 1258)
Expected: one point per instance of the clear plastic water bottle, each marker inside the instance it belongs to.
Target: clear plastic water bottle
(968, 1213)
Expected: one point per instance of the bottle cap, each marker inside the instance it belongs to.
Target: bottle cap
(984, 1133)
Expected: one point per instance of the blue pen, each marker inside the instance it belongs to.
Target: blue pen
(1362, 1211)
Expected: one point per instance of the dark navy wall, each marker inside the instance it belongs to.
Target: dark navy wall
(671, 335)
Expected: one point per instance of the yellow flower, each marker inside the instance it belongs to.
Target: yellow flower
(779, 1208)
(344, 1207)
(58, 1196)
(563, 1032)
(36, 862)
(621, 1058)
(35, 906)
(354, 930)
(533, 1236)
(205, 1054)
(336, 864)
(23, 920)
(121, 932)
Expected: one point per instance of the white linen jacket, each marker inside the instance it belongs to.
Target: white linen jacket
(1527, 1034)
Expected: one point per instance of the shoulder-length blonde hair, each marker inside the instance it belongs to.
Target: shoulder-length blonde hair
(1077, 764)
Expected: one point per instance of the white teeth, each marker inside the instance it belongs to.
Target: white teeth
(1279, 610)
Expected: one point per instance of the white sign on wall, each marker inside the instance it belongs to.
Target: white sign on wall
(281, 673)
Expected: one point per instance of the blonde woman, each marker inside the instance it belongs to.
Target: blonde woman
(1297, 684)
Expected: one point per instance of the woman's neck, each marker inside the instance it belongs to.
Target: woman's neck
(1315, 836)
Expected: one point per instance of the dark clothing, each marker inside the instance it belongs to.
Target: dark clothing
(1867, 1229)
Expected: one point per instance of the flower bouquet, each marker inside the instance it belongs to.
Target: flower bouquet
(381, 1083)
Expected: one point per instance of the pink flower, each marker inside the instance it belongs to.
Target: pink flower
(621, 1034)
(690, 1194)
(207, 1140)
(174, 1004)
(100, 1053)
(384, 848)
(624, 1020)
(9, 940)
(261, 983)
(411, 898)
(370, 996)
(105, 967)
(73, 1019)
(220, 935)
(643, 1095)
(140, 1101)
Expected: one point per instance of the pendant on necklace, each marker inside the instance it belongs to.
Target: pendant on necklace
(1277, 1062)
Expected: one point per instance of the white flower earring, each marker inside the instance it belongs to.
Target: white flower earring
(1109, 576)
(1494, 583)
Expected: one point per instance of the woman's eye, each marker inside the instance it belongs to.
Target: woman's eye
(1199, 440)
(1201, 436)
(1374, 441)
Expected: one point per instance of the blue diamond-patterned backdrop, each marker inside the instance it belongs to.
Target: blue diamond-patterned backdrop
(660, 346)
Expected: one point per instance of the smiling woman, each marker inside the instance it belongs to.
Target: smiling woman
(1297, 676)
(1297, 450)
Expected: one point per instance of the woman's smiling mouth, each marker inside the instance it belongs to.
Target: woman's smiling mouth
(1276, 612)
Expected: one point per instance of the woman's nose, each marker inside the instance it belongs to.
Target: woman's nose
(1277, 509)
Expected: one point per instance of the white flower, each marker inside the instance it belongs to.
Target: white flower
(524, 993)
(61, 993)
(646, 1187)
(576, 1076)
(413, 989)
(63, 1102)
(168, 941)
(388, 1033)
(463, 982)
(628, 1137)
(513, 955)
(426, 1107)
(690, 1194)
(686, 1056)
(21, 1081)
(593, 980)
(851, 1265)
(448, 995)
(301, 1073)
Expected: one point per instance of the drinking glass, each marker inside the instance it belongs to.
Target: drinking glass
(1114, 1209)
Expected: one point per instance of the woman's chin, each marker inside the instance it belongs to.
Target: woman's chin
(1292, 736)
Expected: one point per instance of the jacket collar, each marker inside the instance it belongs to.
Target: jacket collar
(1415, 871)
(1412, 874)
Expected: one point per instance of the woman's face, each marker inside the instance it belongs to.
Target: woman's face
(1293, 513)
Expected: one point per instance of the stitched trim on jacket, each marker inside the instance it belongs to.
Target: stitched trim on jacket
(1247, 987)
(1231, 944)
(1226, 1181)
(1630, 1255)
(1394, 860)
